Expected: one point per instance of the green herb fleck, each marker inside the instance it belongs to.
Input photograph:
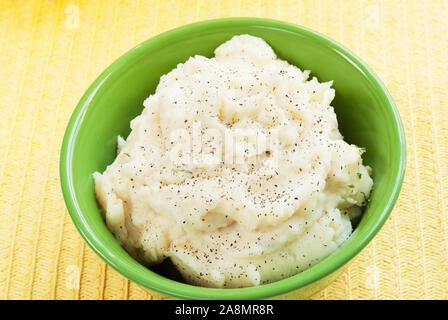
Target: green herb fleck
(366, 200)
(127, 154)
(181, 170)
(351, 186)
(359, 175)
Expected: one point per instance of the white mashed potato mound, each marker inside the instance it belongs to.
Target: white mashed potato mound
(242, 214)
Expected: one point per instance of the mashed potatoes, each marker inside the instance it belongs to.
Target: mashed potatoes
(235, 170)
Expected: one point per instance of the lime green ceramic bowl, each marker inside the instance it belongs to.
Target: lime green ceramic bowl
(366, 113)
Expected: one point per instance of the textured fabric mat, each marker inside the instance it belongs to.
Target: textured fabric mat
(52, 50)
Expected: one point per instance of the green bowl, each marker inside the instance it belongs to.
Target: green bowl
(365, 110)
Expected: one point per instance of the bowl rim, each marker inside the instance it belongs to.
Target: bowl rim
(176, 289)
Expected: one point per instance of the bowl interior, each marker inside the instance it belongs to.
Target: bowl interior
(365, 111)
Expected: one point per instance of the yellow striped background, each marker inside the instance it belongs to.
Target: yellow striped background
(50, 51)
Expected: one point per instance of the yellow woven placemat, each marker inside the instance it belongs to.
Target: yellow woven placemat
(52, 50)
